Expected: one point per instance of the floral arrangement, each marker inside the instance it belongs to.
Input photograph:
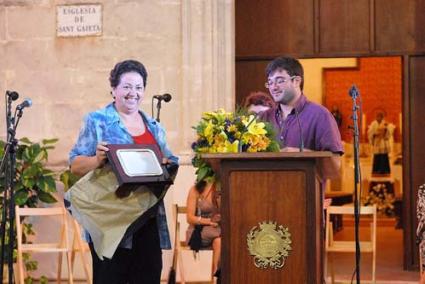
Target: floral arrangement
(230, 132)
(380, 196)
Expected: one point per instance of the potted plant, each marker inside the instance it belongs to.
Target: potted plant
(33, 183)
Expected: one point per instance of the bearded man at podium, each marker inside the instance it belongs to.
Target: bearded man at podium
(299, 123)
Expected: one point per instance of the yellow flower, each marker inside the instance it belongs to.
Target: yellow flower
(246, 138)
(257, 128)
(220, 126)
(232, 147)
(254, 127)
(232, 128)
(220, 138)
(228, 147)
(261, 143)
(209, 131)
(220, 115)
(216, 129)
(203, 149)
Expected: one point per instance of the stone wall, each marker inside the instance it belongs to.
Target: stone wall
(68, 77)
(183, 44)
(186, 45)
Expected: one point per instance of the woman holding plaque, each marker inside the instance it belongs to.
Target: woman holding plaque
(138, 257)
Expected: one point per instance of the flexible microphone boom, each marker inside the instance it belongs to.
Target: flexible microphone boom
(301, 131)
(26, 103)
(165, 97)
(12, 95)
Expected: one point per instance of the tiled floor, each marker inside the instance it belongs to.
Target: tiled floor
(389, 259)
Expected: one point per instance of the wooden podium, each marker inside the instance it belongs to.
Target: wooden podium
(271, 187)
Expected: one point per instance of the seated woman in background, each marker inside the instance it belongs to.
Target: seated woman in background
(203, 209)
(258, 101)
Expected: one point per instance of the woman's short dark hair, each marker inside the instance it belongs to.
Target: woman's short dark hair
(127, 66)
(259, 98)
(289, 64)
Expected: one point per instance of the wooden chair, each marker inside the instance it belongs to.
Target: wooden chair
(365, 188)
(340, 246)
(61, 247)
(81, 247)
(181, 245)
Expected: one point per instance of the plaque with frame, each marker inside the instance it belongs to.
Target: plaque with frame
(138, 164)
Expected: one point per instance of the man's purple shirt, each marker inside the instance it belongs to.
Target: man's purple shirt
(318, 127)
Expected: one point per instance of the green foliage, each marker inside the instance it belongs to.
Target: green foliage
(230, 132)
(27, 231)
(68, 179)
(203, 170)
(274, 145)
(33, 183)
(44, 280)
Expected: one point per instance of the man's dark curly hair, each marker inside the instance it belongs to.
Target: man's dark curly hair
(291, 65)
(127, 66)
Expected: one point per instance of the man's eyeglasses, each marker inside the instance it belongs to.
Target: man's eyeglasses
(278, 81)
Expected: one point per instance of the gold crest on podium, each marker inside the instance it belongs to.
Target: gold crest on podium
(269, 244)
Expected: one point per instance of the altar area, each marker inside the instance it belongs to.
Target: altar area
(386, 192)
(372, 185)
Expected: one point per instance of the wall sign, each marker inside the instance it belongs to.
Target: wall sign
(79, 20)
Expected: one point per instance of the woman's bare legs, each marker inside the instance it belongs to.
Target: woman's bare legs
(216, 247)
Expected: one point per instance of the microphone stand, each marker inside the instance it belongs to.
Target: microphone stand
(166, 98)
(158, 109)
(354, 94)
(8, 216)
(301, 131)
(5, 159)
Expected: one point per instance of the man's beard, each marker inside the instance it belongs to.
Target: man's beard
(288, 96)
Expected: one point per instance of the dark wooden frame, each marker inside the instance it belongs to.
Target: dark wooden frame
(124, 179)
(336, 29)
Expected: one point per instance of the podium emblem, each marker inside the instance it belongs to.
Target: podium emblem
(269, 244)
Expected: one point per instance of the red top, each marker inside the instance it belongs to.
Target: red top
(145, 138)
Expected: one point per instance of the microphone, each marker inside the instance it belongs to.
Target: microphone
(26, 103)
(353, 92)
(165, 97)
(301, 131)
(12, 95)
